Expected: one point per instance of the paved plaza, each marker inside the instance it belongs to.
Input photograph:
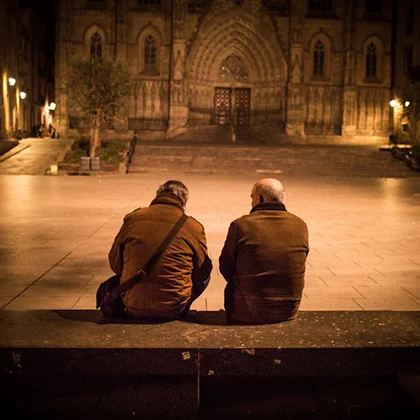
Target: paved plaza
(56, 232)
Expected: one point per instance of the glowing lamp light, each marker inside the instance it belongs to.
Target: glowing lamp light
(52, 106)
(22, 95)
(407, 104)
(393, 103)
(12, 81)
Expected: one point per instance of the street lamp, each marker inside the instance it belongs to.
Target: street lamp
(52, 106)
(393, 102)
(12, 81)
(22, 95)
(407, 104)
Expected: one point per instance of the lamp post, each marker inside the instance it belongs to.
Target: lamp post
(392, 137)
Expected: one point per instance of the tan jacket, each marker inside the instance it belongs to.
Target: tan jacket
(166, 292)
(263, 261)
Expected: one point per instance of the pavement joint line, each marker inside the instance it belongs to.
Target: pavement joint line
(357, 303)
(55, 265)
(412, 294)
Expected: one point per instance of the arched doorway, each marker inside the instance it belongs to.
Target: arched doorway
(236, 71)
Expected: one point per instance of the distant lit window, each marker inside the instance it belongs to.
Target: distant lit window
(319, 59)
(371, 61)
(96, 46)
(374, 7)
(149, 2)
(320, 5)
(409, 25)
(150, 53)
(408, 58)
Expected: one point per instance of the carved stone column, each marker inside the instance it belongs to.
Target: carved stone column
(295, 92)
(349, 126)
(178, 99)
(121, 20)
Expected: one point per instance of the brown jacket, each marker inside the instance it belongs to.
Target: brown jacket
(166, 292)
(263, 261)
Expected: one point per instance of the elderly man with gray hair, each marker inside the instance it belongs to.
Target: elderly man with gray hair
(263, 260)
(180, 274)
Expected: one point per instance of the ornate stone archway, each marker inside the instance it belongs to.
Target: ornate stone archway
(245, 43)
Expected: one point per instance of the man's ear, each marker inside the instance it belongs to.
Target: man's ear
(260, 199)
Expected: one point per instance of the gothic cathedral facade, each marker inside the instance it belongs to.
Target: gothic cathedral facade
(299, 69)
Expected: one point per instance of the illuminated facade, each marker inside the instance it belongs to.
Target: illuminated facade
(301, 68)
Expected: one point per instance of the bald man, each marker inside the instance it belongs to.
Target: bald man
(263, 260)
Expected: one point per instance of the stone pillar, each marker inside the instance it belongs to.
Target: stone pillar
(120, 52)
(62, 59)
(295, 123)
(349, 125)
(178, 92)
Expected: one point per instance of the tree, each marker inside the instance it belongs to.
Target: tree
(99, 89)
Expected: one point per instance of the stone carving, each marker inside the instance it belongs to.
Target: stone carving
(178, 66)
(233, 69)
(296, 69)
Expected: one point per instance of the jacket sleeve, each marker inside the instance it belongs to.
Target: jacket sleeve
(202, 262)
(227, 259)
(115, 256)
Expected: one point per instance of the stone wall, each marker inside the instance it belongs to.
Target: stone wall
(265, 46)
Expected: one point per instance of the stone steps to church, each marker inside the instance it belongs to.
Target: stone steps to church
(366, 161)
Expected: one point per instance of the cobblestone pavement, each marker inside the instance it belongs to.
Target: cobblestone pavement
(56, 232)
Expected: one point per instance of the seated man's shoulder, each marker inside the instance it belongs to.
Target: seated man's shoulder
(296, 218)
(195, 224)
(128, 216)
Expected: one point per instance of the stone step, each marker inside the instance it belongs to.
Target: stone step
(367, 161)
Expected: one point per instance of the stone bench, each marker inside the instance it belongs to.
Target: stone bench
(79, 365)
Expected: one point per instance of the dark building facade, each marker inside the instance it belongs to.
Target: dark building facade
(27, 70)
(298, 68)
(406, 78)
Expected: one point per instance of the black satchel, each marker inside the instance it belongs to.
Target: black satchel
(108, 295)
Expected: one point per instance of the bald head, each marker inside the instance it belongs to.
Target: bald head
(267, 189)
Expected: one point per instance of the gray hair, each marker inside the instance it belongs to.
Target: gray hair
(270, 193)
(176, 188)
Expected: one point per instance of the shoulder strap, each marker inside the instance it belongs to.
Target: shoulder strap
(143, 272)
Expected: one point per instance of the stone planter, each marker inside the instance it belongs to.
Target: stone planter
(112, 167)
(73, 167)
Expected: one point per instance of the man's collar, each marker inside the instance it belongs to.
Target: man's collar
(167, 199)
(269, 205)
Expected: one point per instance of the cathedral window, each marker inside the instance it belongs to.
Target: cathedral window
(409, 24)
(373, 7)
(319, 59)
(371, 61)
(96, 46)
(197, 6)
(324, 6)
(408, 58)
(150, 53)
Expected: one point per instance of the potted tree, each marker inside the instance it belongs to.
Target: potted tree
(98, 88)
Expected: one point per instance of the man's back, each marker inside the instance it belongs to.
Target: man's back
(167, 290)
(263, 261)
